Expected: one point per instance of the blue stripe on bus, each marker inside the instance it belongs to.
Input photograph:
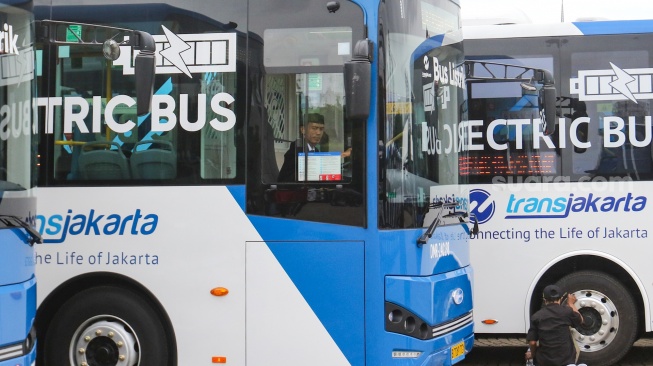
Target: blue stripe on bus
(615, 27)
(330, 276)
(327, 271)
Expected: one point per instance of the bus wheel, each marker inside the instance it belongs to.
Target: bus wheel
(106, 326)
(609, 313)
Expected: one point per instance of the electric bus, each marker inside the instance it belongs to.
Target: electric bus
(171, 238)
(570, 208)
(17, 182)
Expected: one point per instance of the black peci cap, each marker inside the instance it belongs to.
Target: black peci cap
(552, 292)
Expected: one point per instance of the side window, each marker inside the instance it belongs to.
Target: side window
(604, 128)
(511, 149)
(85, 145)
(193, 134)
(610, 122)
(307, 159)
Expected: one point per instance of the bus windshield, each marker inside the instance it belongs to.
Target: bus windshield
(424, 105)
(17, 158)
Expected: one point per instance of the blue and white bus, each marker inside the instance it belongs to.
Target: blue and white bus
(571, 208)
(17, 182)
(173, 239)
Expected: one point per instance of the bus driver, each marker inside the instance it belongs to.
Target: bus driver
(311, 135)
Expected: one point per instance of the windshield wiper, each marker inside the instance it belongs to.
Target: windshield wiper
(13, 221)
(440, 206)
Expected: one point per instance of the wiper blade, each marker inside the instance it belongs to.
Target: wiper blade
(440, 206)
(14, 221)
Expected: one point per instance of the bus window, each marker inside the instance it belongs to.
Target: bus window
(308, 148)
(191, 135)
(513, 148)
(616, 144)
(306, 109)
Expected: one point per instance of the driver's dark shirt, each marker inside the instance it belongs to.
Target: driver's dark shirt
(550, 327)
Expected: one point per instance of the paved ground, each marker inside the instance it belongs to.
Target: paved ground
(510, 352)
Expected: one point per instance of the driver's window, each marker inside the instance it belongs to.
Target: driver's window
(306, 159)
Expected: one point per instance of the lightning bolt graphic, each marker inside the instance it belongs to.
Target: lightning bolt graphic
(173, 53)
(620, 83)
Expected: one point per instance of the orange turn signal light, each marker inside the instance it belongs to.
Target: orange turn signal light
(489, 321)
(219, 359)
(219, 291)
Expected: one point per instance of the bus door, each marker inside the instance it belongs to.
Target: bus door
(306, 173)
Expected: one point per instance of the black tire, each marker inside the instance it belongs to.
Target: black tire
(101, 324)
(610, 314)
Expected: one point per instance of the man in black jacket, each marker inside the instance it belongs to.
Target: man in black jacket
(549, 336)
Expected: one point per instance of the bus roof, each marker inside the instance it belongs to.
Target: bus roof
(502, 16)
(557, 29)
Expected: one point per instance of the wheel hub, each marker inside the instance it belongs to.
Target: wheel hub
(103, 351)
(601, 321)
(104, 341)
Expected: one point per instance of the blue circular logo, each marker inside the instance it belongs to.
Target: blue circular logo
(481, 205)
(458, 296)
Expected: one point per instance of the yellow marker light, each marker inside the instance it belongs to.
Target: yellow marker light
(490, 321)
(219, 291)
(219, 359)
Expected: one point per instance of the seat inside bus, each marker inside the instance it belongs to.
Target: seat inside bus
(99, 160)
(153, 159)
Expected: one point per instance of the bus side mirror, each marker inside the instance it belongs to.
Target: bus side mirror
(56, 33)
(144, 68)
(547, 104)
(358, 81)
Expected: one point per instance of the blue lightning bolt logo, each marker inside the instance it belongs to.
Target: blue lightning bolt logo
(622, 81)
(173, 53)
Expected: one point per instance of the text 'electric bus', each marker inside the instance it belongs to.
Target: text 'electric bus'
(271, 208)
(570, 208)
(17, 182)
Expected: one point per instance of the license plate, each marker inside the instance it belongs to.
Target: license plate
(457, 350)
